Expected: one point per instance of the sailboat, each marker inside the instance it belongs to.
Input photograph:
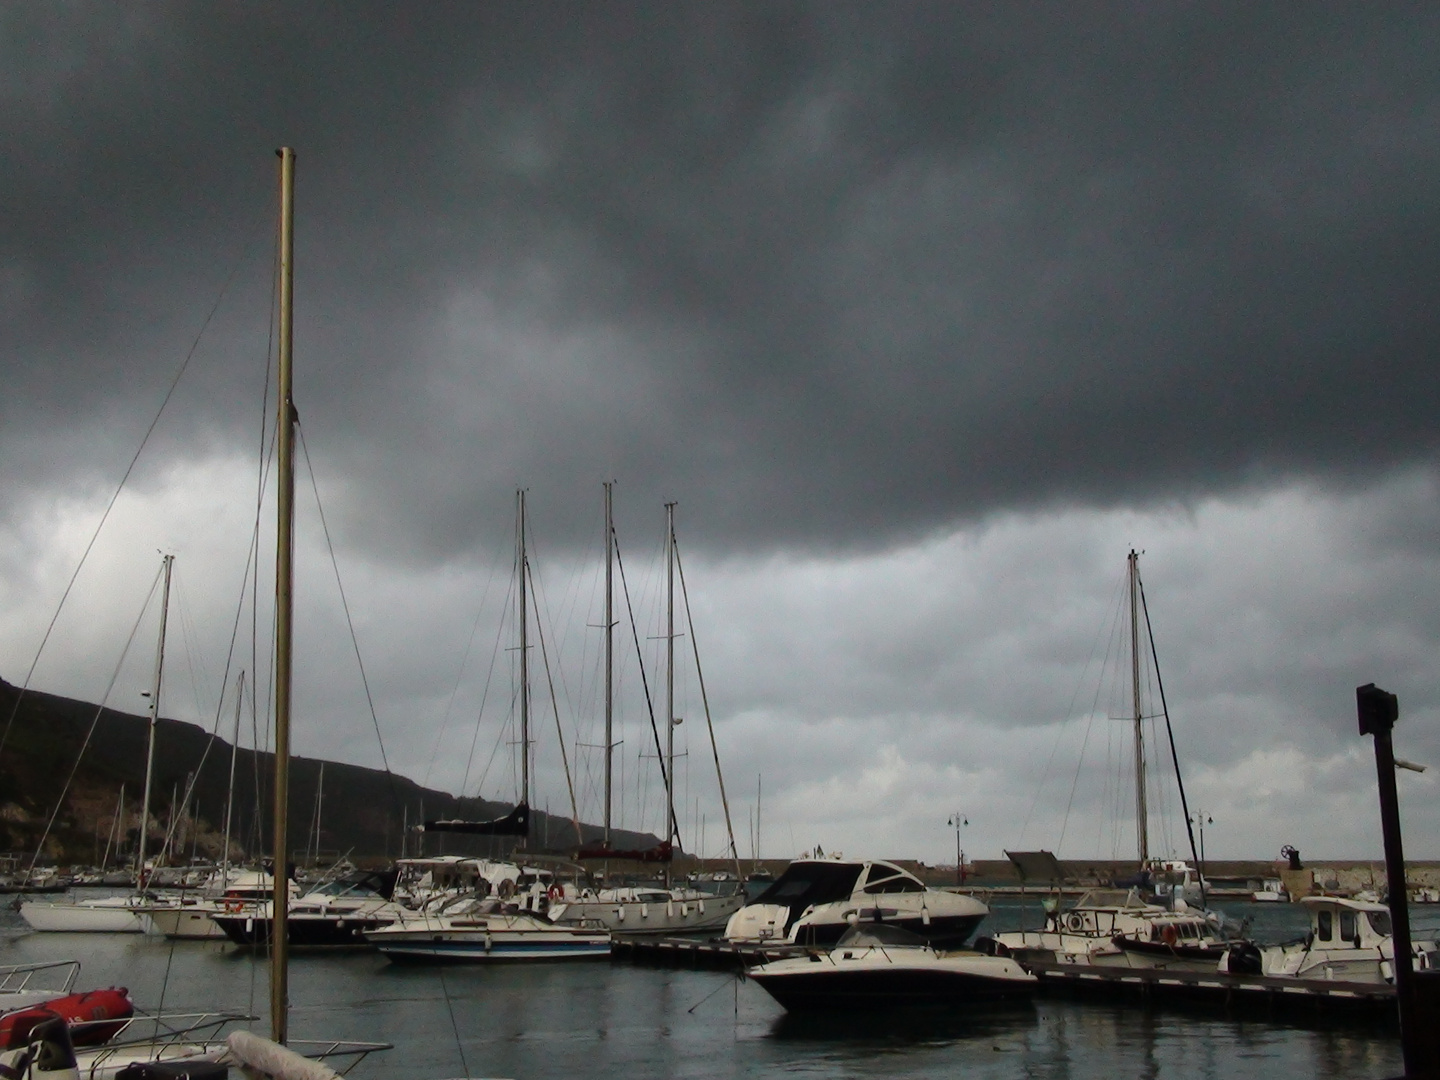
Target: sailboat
(480, 928)
(1124, 926)
(641, 909)
(115, 914)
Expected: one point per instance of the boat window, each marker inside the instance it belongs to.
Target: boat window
(1380, 922)
(878, 933)
(805, 883)
(1347, 927)
(899, 883)
(1324, 925)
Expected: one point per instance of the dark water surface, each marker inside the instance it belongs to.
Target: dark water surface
(615, 1019)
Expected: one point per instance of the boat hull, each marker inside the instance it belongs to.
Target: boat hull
(805, 985)
(82, 918)
(667, 917)
(302, 932)
(190, 923)
(478, 946)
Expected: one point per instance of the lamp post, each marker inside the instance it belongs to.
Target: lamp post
(959, 819)
(1202, 819)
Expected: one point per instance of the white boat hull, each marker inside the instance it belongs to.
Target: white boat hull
(87, 917)
(666, 917)
(189, 923)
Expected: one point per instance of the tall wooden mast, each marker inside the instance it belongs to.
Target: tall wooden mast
(284, 603)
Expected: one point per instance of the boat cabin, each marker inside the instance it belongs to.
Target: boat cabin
(1337, 923)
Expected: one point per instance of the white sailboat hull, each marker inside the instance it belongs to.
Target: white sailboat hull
(85, 917)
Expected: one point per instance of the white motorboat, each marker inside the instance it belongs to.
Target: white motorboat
(879, 965)
(421, 882)
(816, 899)
(1349, 941)
(330, 915)
(191, 918)
(475, 929)
(1271, 891)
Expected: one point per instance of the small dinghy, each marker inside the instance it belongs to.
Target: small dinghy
(93, 1016)
(876, 965)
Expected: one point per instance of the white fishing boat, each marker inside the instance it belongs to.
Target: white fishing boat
(881, 966)
(817, 899)
(1116, 927)
(1164, 926)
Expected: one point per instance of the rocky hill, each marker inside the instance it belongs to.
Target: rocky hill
(365, 810)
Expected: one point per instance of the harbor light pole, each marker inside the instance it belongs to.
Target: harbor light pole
(958, 819)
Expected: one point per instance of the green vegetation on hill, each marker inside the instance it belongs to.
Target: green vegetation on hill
(364, 809)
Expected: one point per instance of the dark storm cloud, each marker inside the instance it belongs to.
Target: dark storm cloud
(831, 274)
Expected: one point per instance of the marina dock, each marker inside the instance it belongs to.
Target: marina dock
(1258, 996)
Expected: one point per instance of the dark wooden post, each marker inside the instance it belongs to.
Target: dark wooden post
(1378, 711)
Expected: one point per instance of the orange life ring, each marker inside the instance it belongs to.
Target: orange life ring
(555, 892)
(232, 906)
(1169, 935)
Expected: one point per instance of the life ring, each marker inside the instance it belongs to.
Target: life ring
(1169, 935)
(1075, 921)
(555, 892)
(232, 906)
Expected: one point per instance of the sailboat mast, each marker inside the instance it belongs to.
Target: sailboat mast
(609, 650)
(154, 718)
(1142, 816)
(284, 602)
(670, 668)
(230, 796)
(524, 656)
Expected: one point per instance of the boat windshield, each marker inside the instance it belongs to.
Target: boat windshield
(806, 883)
(878, 933)
(1379, 921)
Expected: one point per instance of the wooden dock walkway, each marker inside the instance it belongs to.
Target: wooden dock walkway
(1255, 995)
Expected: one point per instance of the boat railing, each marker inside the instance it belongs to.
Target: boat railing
(16, 977)
(145, 1029)
(328, 1049)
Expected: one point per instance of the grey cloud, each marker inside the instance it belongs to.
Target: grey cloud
(834, 275)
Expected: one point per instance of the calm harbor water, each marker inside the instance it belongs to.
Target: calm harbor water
(615, 1019)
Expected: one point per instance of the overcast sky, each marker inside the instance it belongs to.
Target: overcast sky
(925, 315)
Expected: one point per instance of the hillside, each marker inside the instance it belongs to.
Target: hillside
(364, 809)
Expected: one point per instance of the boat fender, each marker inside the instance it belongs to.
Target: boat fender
(1075, 921)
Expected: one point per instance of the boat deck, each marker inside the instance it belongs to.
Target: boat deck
(699, 952)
